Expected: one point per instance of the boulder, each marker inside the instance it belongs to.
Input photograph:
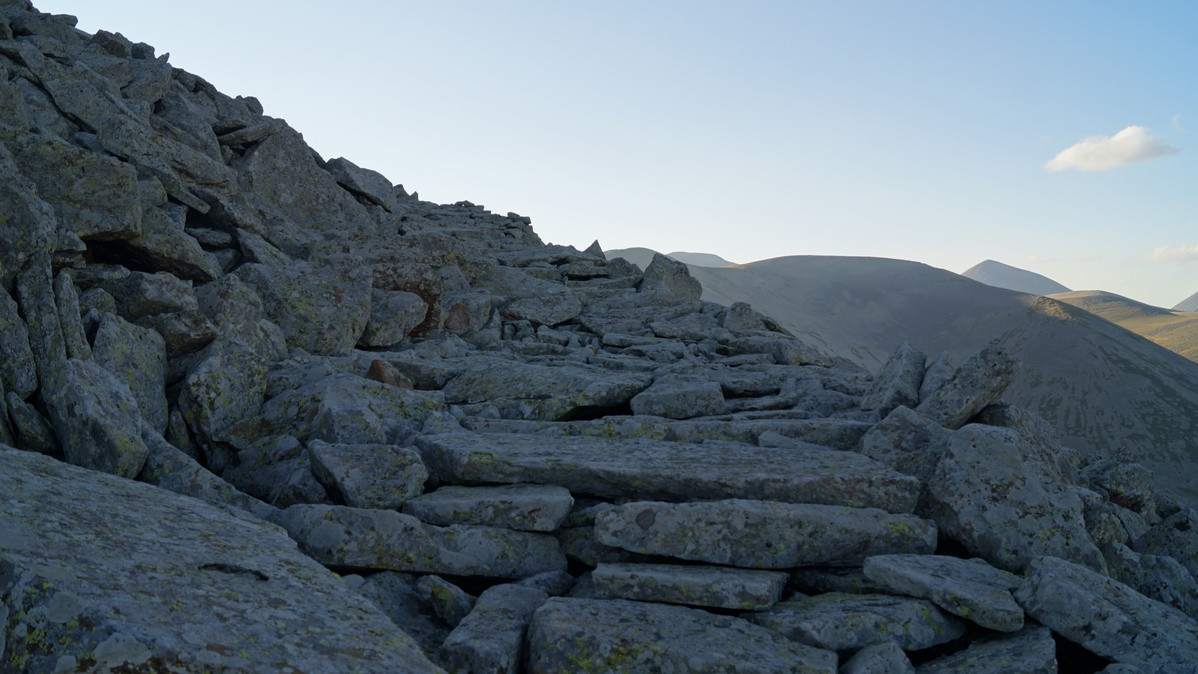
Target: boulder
(226, 386)
(30, 429)
(450, 602)
(320, 309)
(368, 476)
(979, 381)
(17, 373)
(969, 588)
(1031, 650)
(906, 442)
(714, 586)
(841, 622)
(1176, 536)
(394, 314)
(599, 635)
(762, 534)
(370, 185)
(97, 420)
(898, 382)
(524, 507)
(667, 281)
(137, 357)
(884, 658)
(19, 203)
(395, 594)
(679, 398)
(491, 637)
(66, 298)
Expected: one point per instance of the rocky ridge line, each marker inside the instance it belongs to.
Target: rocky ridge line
(221, 351)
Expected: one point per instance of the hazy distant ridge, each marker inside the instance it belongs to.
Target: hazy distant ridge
(1001, 275)
(1188, 304)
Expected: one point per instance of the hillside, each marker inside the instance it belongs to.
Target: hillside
(1188, 304)
(1104, 388)
(641, 257)
(1005, 276)
(1174, 330)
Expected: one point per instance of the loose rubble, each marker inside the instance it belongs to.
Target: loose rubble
(245, 383)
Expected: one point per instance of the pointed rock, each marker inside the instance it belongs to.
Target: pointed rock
(979, 381)
(883, 658)
(667, 281)
(97, 420)
(898, 382)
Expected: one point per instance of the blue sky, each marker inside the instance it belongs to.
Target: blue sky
(915, 130)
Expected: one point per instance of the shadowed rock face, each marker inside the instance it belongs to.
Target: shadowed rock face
(269, 370)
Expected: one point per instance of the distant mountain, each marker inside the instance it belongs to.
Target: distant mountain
(1002, 275)
(1188, 304)
(1174, 330)
(1104, 388)
(641, 257)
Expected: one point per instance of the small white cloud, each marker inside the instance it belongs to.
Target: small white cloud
(1100, 153)
(1175, 253)
(1176, 122)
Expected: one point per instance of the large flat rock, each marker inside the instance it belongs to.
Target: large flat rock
(644, 469)
(850, 621)
(970, 588)
(615, 635)
(715, 586)
(101, 572)
(762, 534)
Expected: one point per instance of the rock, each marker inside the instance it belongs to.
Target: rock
(937, 373)
(35, 296)
(275, 469)
(1031, 650)
(667, 281)
(991, 494)
(162, 245)
(152, 581)
(368, 476)
(67, 300)
(97, 421)
(226, 386)
(898, 382)
(719, 587)
(524, 507)
(969, 588)
(581, 545)
(32, 432)
(491, 637)
(447, 600)
(979, 381)
(393, 316)
(907, 443)
(569, 634)
(1175, 536)
(552, 583)
(842, 622)
(678, 398)
(137, 357)
(531, 299)
(1106, 617)
(395, 594)
(1160, 577)
(20, 203)
(384, 539)
(884, 658)
(370, 185)
(762, 534)
(17, 373)
(320, 309)
(628, 468)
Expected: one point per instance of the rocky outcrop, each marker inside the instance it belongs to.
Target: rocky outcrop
(379, 433)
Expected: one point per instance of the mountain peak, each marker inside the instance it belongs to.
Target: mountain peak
(999, 275)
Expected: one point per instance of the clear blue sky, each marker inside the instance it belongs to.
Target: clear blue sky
(915, 130)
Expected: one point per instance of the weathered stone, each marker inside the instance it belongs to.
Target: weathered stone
(152, 577)
(898, 382)
(844, 579)
(990, 493)
(979, 381)
(393, 315)
(137, 357)
(491, 637)
(395, 594)
(35, 295)
(450, 602)
(524, 507)
(17, 372)
(679, 398)
(667, 281)
(368, 476)
(763, 534)
(320, 309)
(969, 588)
(275, 469)
(1160, 577)
(370, 185)
(907, 443)
(1032, 650)
(1107, 617)
(531, 299)
(97, 420)
(184, 332)
(32, 432)
(842, 622)
(162, 245)
(1176, 536)
(938, 372)
(884, 658)
(629, 468)
(66, 298)
(580, 545)
(27, 224)
(552, 583)
(384, 539)
(225, 387)
(715, 586)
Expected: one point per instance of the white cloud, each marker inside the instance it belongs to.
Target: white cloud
(1176, 122)
(1178, 252)
(1099, 153)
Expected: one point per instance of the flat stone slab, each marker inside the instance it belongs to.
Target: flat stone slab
(491, 637)
(384, 539)
(969, 588)
(525, 507)
(615, 635)
(368, 476)
(842, 622)
(715, 586)
(763, 534)
(103, 573)
(1107, 617)
(645, 469)
(1030, 651)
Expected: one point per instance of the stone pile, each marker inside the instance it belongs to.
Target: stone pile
(269, 412)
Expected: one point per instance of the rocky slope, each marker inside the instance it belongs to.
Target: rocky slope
(270, 412)
(1001, 275)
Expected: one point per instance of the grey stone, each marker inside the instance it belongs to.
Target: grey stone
(160, 578)
(990, 493)
(368, 476)
(137, 357)
(979, 381)
(449, 602)
(884, 658)
(524, 507)
(842, 622)
(715, 586)
(630, 468)
(320, 309)
(396, 596)
(32, 432)
(844, 579)
(184, 332)
(679, 398)
(1175, 536)
(35, 296)
(906, 442)
(937, 373)
(1107, 617)
(1031, 650)
(17, 372)
(370, 185)
(162, 245)
(763, 534)
(569, 634)
(97, 420)
(969, 588)
(27, 224)
(384, 539)
(393, 316)
(552, 583)
(275, 469)
(66, 298)
(491, 637)
(1160, 577)
(226, 386)
(898, 382)
(667, 281)
(580, 545)
(531, 299)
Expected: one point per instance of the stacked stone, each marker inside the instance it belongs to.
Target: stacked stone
(492, 454)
